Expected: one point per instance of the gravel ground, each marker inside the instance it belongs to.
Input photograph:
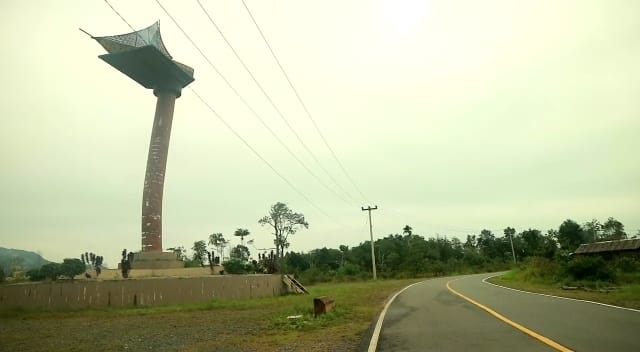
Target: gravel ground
(208, 330)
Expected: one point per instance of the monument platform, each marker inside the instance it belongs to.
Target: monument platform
(156, 260)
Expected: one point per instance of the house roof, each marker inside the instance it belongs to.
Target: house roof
(609, 246)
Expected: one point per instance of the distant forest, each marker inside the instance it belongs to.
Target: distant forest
(411, 255)
(400, 255)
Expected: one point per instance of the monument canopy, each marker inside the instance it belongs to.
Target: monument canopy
(143, 57)
(128, 41)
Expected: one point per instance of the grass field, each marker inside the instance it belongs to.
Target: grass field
(626, 295)
(249, 325)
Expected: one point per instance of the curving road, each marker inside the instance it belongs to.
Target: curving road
(430, 317)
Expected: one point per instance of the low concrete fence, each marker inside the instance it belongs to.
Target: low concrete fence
(137, 292)
(147, 273)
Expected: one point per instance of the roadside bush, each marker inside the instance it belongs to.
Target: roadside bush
(349, 270)
(627, 264)
(540, 269)
(235, 266)
(315, 275)
(590, 268)
(35, 275)
(437, 268)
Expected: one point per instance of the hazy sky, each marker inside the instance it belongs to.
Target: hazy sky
(451, 116)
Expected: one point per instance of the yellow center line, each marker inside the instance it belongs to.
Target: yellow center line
(527, 331)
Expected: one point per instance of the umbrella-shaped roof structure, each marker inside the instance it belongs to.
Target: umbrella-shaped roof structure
(143, 57)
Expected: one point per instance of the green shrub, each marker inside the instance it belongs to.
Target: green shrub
(35, 275)
(627, 264)
(235, 266)
(349, 270)
(315, 275)
(590, 268)
(539, 269)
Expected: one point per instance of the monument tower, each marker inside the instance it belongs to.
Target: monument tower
(142, 56)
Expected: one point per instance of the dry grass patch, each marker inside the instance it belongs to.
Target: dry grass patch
(250, 325)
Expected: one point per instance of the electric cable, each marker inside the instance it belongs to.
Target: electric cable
(273, 104)
(244, 101)
(304, 106)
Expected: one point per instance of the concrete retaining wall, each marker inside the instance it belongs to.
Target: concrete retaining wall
(137, 292)
(146, 273)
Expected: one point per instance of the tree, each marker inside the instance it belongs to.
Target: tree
(532, 241)
(199, 251)
(284, 223)
(2, 274)
(235, 266)
(240, 252)
(612, 230)
(71, 267)
(217, 240)
(50, 271)
(592, 229)
(35, 275)
(510, 231)
(180, 252)
(487, 243)
(407, 230)
(297, 262)
(242, 233)
(570, 235)
(549, 246)
(471, 242)
(344, 250)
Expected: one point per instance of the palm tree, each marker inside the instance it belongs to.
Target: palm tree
(407, 230)
(242, 233)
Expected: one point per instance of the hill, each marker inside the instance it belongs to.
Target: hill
(17, 259)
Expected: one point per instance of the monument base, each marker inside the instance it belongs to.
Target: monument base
(156, 260)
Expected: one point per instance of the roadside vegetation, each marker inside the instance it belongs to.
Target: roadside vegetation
(610, 277)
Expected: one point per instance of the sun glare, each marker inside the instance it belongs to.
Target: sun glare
(403, 16)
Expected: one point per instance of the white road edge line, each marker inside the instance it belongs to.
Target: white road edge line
(552, 296)
(373, 344)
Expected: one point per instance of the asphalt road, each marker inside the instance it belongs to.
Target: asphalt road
(428, 317)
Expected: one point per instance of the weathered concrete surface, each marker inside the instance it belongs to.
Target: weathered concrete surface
(168, 272)
(156, 260)
(136, 292)
(156, 166)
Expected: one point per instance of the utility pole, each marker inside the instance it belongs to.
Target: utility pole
(509, 231)
(373, 255)
(512, 250)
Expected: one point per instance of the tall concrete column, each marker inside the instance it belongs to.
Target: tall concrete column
(156, 166)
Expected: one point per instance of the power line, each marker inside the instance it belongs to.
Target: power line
(244, 141)
(304, 106)
(264, 124)
(255, 152)
(119, 15)
(273, 104)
